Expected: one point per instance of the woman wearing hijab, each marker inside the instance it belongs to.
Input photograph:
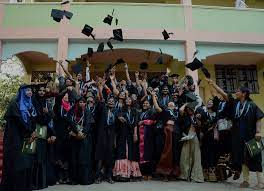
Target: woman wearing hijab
(19, 129)
(46, 132)
(81, 145)
(126, 166)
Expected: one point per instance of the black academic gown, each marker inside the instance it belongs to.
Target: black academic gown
(39, 173)
(104, 149)
(17, 165)
(124, 138)
(81, 152)
(243, 130)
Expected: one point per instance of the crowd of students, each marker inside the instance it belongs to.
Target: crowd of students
(85, 131)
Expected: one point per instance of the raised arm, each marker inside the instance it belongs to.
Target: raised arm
(218, 89)
(115, 90)
(64, 69)
(87, 71)
(155, 102)
(127, 73)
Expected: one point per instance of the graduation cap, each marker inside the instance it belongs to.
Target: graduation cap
(174, 75)
(57, 15)
(166, 35)
(68, 14)
(109, 44)
(192, 105)
(90, 52)
(160, 58)
(118, 35)
(100, 47)
(77, 68)
(196, 64)
(87, 30)
(109, 18)
(143, 66)
(65, 2)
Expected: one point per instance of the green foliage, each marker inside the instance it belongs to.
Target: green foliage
(8, 89)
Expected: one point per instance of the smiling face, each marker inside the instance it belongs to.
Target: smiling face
(146, 105)
(111, 102)
(210, 104)
(165, 90)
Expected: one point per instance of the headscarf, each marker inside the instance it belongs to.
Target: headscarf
(66, 105)
(26, 106)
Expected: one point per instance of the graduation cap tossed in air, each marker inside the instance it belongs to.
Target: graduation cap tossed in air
(57, 14)
(77, 68)
(196, 64)
(109, 18)
(143, 66)
(90, 52)
(160, 58)
(109, 44)
(100, 47)
(87, 30)
(166, 35)
(118, 35)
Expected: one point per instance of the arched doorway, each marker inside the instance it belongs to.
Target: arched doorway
(133, 57)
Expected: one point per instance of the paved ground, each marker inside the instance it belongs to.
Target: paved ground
(158, 186)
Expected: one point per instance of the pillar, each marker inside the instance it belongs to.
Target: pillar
(63, 41)
(186, 2)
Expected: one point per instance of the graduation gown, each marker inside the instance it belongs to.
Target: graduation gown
(104, 149)
(124, 138)
(243, 130)
(81, 152)
(39, 173)
(17, 165)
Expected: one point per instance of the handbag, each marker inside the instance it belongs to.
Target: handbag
(254, 147)
(224, 124)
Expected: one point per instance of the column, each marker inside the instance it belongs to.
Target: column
(63, 41)
(186, 2)
(190, 48)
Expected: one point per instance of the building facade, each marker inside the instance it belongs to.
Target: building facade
(230, 41)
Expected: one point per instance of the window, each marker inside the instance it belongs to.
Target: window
(230, 78)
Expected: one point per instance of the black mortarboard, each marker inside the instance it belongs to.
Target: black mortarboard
(87, 30)
(160, 58)
(190, 97)
(196, 64)
(174, 75)
(77, 68)
(119, 61)
(68, 14)
(143, 66)
(90, 52)
(65, 2)
(166, 35)
(100, 47)
(118, 35)
(192, 105)
(108, 19)
(109, 44)
(57, 15)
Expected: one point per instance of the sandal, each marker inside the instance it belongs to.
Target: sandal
(244, 184)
